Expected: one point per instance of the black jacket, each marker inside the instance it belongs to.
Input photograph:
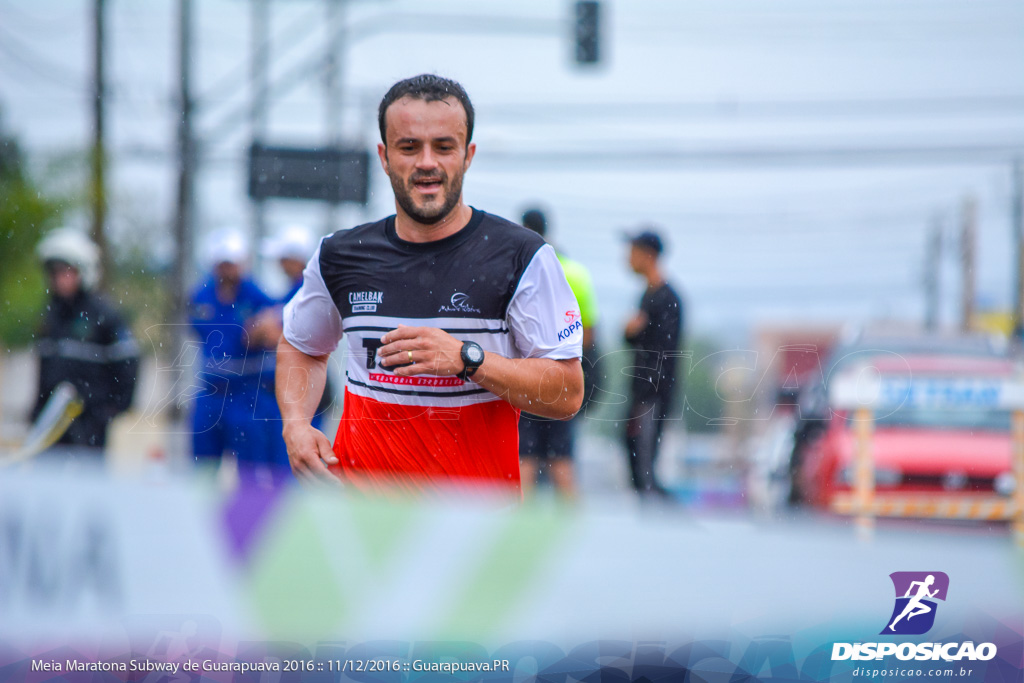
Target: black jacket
(85, 342)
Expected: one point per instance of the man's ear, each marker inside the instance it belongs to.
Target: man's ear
(470, 153)
(382, 152)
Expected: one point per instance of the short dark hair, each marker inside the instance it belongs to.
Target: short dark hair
(430, 88)
(647, 238)
(535, 220)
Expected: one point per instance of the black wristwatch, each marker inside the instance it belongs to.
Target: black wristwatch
(472, 358)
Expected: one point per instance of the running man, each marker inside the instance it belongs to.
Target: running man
(454, 320)
(915, 607)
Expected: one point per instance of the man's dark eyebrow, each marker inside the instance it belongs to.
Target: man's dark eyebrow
(448, 138)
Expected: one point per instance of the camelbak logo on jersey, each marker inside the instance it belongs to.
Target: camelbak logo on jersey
(459, 304)
(916, 593)
(365, 302)
(567, 332)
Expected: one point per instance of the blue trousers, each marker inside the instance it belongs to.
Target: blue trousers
(240, 416)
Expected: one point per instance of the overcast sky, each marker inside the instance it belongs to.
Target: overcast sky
(770, 145)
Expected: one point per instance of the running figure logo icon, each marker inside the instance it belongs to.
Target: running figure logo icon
(916, 593)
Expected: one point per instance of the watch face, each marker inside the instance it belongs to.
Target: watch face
(475, 354)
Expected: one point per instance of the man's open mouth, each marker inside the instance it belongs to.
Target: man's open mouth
(427, 184)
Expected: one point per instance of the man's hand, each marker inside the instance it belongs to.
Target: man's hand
(636, 324)
(542, 386)
(308, 451)
(421, 351)
(265, 328)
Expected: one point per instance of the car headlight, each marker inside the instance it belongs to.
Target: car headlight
(1005, 484)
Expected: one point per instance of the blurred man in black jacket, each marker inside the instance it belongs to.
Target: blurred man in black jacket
(83, 340)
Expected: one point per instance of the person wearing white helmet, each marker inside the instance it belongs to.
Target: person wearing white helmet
(292, 247)
(229, 415)
(82, 340)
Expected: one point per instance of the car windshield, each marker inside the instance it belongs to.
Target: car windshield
(961, 418)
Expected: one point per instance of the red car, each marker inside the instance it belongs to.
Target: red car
(940, 430)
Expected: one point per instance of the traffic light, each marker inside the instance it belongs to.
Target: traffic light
(587, 27)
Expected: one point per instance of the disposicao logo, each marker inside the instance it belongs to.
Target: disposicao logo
(916, 593)
(914, 615)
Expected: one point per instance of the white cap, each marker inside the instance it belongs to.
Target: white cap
(294, 241)
(226, 245)
(74, 248)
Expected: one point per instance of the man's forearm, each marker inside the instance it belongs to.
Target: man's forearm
(541, 386)
(300, 382)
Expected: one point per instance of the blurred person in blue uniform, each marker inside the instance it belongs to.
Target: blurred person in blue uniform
(83, 340)
(237, 366)
(655, 332)
(292, 247)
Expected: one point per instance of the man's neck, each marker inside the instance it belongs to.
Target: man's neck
(412, 230)
(654, 278)
(227, 290)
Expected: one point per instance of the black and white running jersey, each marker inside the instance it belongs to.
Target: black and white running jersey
(493, 282)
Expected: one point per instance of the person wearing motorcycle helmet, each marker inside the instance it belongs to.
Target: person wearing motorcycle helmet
(82, 340)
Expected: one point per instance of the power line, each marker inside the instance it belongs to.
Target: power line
(420, 23)
(49, 24)
(573, 112)
(29, 59)
(709, 159)
(238, 76)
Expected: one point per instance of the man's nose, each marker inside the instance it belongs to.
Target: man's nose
(427, 159)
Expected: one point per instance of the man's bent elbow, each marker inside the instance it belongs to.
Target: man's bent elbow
(571, 409)
(571, 400)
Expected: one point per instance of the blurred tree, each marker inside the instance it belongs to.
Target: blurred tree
(704, 405)
(697, 387)
(25, 214)
(139, 288)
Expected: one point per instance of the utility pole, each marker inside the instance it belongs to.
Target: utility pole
(1018, 247)
(186, 177)
(933, 275)
(968, 237)
(334, 53)
(98, 156)
(260, 80)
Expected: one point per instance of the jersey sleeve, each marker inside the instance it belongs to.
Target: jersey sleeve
(312, 323)
(543, 316)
